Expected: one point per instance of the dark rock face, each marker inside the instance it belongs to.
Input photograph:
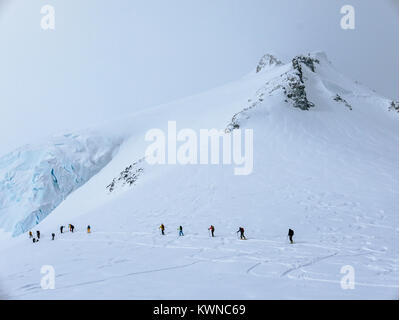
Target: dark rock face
(296, 90)
(306, 60)
(394, 106)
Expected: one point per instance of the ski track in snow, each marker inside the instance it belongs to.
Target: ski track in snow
(307, 264)
(210, 253)
(123, 276)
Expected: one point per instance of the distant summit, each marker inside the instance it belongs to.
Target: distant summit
(268, 62)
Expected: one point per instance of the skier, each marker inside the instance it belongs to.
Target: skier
(241, 231)
(53, 236)
(212, 228)
(181, 231)
(162, 227)
(290, 235)
(88, 229)
(34, 240)
(30, 234)
(62, 229)
(38, 234)
(72, 227)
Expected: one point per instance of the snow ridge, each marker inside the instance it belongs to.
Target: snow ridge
(291, 83)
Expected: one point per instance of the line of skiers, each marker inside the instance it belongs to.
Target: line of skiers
(241, 231)
(211, 229)
(71, 228)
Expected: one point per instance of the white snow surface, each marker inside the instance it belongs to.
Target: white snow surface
(331, 173)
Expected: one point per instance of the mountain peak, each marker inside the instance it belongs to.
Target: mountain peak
(267, 62)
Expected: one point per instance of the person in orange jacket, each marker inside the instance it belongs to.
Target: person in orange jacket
(162, 227)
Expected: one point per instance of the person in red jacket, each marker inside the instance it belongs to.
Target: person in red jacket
(241, 231)
(212, 228)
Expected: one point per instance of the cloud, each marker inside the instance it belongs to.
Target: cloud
(4, 6)
(395, 4)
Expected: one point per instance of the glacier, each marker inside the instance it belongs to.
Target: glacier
(35, 179)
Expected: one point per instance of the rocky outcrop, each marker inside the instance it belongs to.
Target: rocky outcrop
(394, 106)
(295, 80)
(339, 99)
(127, 177)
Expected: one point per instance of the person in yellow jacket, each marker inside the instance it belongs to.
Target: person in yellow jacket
(88, 229)
(162, 227)
(30, 234)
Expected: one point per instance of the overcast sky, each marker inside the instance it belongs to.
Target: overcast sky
(107, 58)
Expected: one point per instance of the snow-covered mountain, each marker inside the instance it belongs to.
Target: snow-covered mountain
(325, 163)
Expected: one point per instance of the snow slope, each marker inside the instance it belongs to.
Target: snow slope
(326, 155)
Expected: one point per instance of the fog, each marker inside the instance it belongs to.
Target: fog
(109, 58)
